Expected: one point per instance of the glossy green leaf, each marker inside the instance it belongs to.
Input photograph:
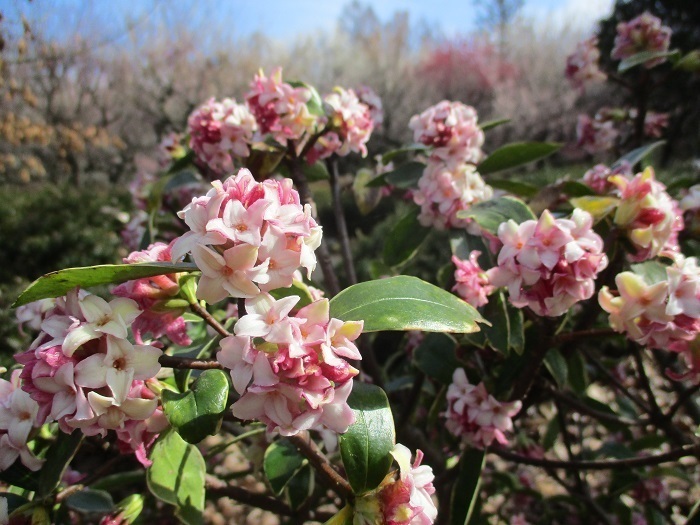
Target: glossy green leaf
(598, 206)
(89, 501)
(316, 172)
(556, 364)
(493, 123)
(516, 154)
(315, 102)
(197, 413)
(465, 492)
(643, 57)
(516, 339)
(404, 239)
(131, 507)
(436, 358)
(300, 487)
(498, 334)
(366, 197)
(638, 154)
(298, 288)
(404, 303)
(366, 447)
(58, 457)
(690, 62)
(516, 187)
(575, 188)
(344, 517)
(281, 462)
(391, 155)
(56, 284)
(404, 177)
(177, 476)
(491, 213)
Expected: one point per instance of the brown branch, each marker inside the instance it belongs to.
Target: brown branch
(612, 379)
(171, 361)
(583, 408)
(332, 478)
(340, 222)
(219, 488)
(204, 314)
(609, 464)
(583, 334)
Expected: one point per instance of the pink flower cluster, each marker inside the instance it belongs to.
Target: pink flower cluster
(279, 108)
(246, 236)
(220, 130)
(582, 64)
(663, 315)
(151, 294)
(85, 374)
(598, 177)
(372, 100)
(408, 499)
(596, 135)
(651, 218)
(18, 417)
(472, 283)
(453, 132)
(443, 192)
(549, 264)
(475, 415)
(350, 121)
(291, 370)
(644, 33)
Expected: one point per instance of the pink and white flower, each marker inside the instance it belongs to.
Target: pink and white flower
(19, 416)
(219, 132)
(598, 177)
(595, 135)
(292, 371)
(374, 102)
(472, 283)
(582, 65)
(644, 33)
(451, 129)
(351, 120)
(475, 415)
(443, 192)
(648, 214)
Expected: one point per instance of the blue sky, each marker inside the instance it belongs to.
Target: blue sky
(283, 19)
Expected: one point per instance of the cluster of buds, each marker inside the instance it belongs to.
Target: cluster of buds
(220, 131)
(598, 177)
(665, 314)
(349, 126)
(472, 283)
(475, 415)
(596, 135)
(582, 65)
(247, 236)
(549, 264)
(152, 295)
(279, 108)
(443, 192)
(403, 500)
(650, 217)
(372, 100)
(642, 34)
(18, 418)
(291, 370)
(451, 129)
(84, 373)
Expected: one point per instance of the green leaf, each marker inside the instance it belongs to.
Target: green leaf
(177, 476)
(516, 154)
(300, 487)
(281, 461)
(20, 476)
(366, 447)
(14, 501)
(58, 457)
(366, 198)
(642, 58)
(651, 271)
(404, 240)
(436, 358)
(183, 162)
(556, 364)
(463, 244)
(315, 103)
(491, 213)
(493, 123)
(690, 62)
(404, 177)
(404, 303)
(56, 284)
(638, 154)
(551, 434)
(316, 172)
(390, 155)
(515, 187)
(344, 517)
(575, 188)
(298, 288)
(577, 374)
(89, 501)
(516, 339)
(598, 206)
(498, 334)
(197, 413)
(466, 489)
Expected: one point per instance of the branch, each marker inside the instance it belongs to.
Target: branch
(310, 450)
(583, 408)
(171, 361)
(340, 222)
(609, 464)
(204, 314)
(582, 334)
(219, 488)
